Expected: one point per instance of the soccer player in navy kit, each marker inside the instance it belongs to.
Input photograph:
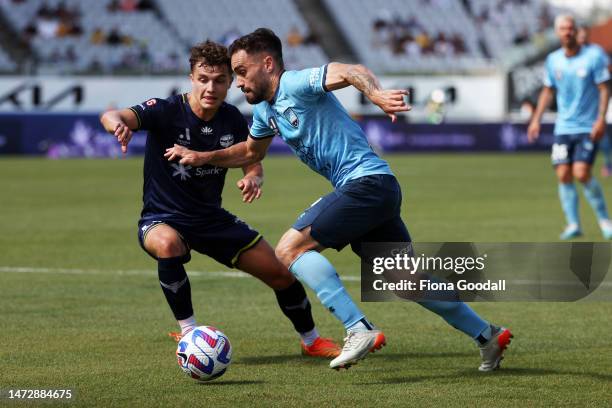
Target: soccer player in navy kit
(579, 75)
(182, 203)
(365, 204)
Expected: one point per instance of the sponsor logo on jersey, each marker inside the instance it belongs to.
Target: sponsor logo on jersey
(207, 130)
(313, 80)
(292, 117)
(226, 140)
(581, 72)
(210, 171)
(181, 171)
(185, 139)
(558, 74)
(273, 125)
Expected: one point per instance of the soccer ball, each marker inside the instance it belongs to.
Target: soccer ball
(204, 353)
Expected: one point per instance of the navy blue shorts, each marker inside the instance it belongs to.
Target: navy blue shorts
(366, 209)
(222, 236)
(568, 149)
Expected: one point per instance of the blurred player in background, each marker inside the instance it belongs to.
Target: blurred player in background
(365, 205)
(583, 38)
(182, 203)
(579, 76)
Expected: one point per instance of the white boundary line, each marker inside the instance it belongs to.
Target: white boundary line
(131, 272)
(234, 274)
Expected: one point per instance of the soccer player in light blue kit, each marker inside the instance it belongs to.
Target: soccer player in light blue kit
(365, 206)
(605, 145)
(579, 75)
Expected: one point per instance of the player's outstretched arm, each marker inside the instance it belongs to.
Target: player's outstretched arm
(251, 183)
(239, 155)
(391, 101)
(599, 127)
(533, 131)
(120, 123)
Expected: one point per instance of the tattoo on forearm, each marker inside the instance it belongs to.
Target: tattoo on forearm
(365, 82)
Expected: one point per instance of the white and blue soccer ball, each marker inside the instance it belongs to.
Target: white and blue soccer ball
(204, 353)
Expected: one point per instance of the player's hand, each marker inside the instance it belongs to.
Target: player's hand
(533, 132)
(598, 130)
(391, 101)
(250, 187)
(123, 135)
(185, 156)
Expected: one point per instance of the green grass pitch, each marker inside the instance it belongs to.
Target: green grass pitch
(96, 321)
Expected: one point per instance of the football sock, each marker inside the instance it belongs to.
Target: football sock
(569, 202)
(459, 315)
(295, 305)
(361, 326)
(187, 324)
(175, 285)
(595, 197)
(314, 270)
(310, 336)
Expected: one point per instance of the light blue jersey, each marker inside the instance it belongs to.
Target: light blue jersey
(575, 80)
(317, 128)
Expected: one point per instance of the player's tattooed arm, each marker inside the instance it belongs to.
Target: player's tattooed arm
(533, 131)
(120, 124)
(239, 155)
(251, 183)
(391, 101)
(599, 127)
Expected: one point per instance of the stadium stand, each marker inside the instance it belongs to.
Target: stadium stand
(226, 20)
(442, 35)
(6, 63)
(144, 36)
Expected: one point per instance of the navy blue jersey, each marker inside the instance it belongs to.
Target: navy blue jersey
(172, 188)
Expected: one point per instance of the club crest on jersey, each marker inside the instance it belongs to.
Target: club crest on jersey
(581, 72)
(226, 140)
(207, 130)
(292, 117)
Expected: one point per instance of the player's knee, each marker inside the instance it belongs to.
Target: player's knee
(582, 176)
(285, 253)
(565, 176)
(281, 280)
(169, 247)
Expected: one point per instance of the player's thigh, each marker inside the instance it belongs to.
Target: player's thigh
(351, 211)
(163, 241)
(393, 230)
(261, 262)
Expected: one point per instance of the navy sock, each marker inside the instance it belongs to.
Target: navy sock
(175, 285)
(295, 305)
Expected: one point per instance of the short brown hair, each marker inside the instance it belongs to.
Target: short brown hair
(209, 53)
(260, 40)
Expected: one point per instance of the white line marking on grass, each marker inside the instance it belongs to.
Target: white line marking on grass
(143, 272)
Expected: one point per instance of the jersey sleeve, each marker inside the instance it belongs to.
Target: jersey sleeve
(149, 114)
(307, 83)
(600, 67)
(260, 129)
(549, 75)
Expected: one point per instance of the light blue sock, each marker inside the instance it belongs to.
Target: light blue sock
(318, 274)
(569, 202)
(595, 197)
(459, 315)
